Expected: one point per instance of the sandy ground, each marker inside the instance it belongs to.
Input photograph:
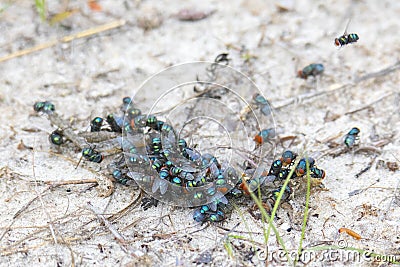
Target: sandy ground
(89, 76)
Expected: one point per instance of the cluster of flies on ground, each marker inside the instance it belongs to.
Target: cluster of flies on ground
(180, 168)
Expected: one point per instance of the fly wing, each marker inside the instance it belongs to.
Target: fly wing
(195, 157)
(156, 185)
(214, 170)
(218, 197)
(187, 175)
(200, 175)
(347, 25)
(266, 110)
(163, 186)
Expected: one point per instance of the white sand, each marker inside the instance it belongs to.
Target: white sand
(59, 228)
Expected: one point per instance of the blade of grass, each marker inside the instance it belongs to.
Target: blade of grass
(275, 208)
(244, 221)
(4, 7)
(41, 8)
(305, 217)
(266, 235)
(228, 247)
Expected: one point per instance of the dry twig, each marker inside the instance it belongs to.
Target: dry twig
(120, 239)
(66, 39)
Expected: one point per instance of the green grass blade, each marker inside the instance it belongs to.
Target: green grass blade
(270, 226)
(306, 209)
(41, 8)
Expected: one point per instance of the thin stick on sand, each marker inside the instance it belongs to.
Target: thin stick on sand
(65, 39)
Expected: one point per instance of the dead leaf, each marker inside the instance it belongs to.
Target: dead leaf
(94, 6)
(192, 14)
(61, 16)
